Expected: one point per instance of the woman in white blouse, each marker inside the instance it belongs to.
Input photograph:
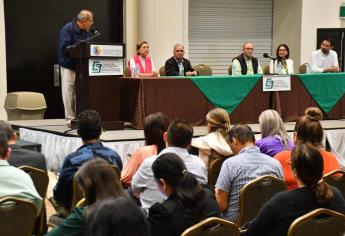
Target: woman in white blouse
(282, 65)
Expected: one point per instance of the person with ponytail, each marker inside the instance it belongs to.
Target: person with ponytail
(217, 139)
(274, 137)
(282, 209)
(308, 130)
(188, 202)
(155, 125)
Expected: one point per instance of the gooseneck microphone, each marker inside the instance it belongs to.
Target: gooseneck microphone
(265, 55)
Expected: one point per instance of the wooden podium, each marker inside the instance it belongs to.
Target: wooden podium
(98, 67)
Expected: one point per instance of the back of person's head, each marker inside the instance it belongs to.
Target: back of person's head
(116, 217)
(272, 124)
(89, 125)
(218, 120)
(307, 162)
(308, 128)
(3, 144)
(7, 128)
(243, 133)
(170, 168)
(180, 134)
(155, 125)
(98, 179)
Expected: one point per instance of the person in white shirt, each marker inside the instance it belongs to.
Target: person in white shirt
(178, 138)
(282, 65)
(324, 59)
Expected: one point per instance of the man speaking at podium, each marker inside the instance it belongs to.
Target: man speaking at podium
(73, 32)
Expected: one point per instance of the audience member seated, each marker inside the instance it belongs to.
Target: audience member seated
(324, 59)
(278, 213)
(20, 156)
(273, 133)
(187, 201)
(308, 129)
(154, 127)
(282, 65)
(142, 62)
(245, 63)
(178, 65)
(13, 181)
(98, 181)
(217, 139)
(117, 217)
(248, 164)
(178, 139)
(89, 129)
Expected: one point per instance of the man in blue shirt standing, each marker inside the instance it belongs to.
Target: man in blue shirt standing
(89, 129)
(72, 33)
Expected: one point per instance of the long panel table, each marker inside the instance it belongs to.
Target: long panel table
(182, 98)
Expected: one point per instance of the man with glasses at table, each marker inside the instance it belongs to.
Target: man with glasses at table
(178, 65)
(246, 64)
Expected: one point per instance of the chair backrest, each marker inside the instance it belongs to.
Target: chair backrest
(215, 162)
(212, 226)
(266, 69)
(41, 180)
(318, 222)
(255, 194)
(17, 216)
(230, 70)
(126, 72)
(302, 68)
(162, 71)
(203, 69)
(77, 193)
(336, 178)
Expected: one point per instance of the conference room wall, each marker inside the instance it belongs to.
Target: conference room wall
(3, 81)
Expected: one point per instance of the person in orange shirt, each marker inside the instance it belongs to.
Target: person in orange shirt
(154, 127)
(308, 130)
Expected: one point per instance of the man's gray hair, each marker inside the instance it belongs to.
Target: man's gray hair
(178, 45)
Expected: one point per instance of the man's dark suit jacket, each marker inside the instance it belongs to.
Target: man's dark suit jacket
(171, 67)
(23, 157)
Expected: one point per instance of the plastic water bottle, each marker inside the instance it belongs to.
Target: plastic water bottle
(279, 68)
(307, 68)
(181, 69)
(133, 71)
(233, 70)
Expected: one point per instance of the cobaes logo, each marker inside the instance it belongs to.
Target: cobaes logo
(269, 83)
(96, 67)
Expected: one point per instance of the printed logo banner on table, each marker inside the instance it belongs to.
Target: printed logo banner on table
(98, 67)
(106, 50)
(276, 83)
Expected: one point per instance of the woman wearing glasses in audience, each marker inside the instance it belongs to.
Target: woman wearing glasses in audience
(281, 210)
(282, 65)
(187, 201)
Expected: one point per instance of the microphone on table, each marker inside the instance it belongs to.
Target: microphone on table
(265, 55)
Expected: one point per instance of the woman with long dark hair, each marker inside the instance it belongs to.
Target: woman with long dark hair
(282, 64)
(154, 127)
(278, 213)
(98, 180)
(187, 201)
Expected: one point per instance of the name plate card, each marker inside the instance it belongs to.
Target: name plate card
(98, 50)
(276, 83)
(99, 67)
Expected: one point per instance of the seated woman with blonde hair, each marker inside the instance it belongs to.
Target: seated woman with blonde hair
(218, 124)
(142, 63)
(274, 137)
